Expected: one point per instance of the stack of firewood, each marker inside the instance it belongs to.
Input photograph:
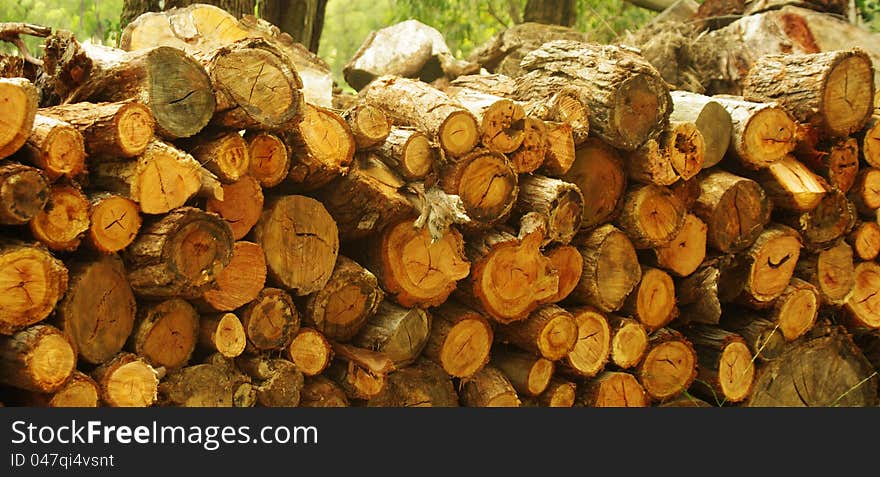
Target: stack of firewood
(184, 226)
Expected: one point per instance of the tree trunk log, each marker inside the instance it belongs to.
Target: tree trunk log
(165, 333)
(270, 158)
(109, 130)
(487, 184)
(18, 111)
(710, 118)
(270, 321)
(460, 339)
(612, 389)
(528, 374)
(863, 305)
(56, 147)
(321, 146)
(652, 302)
(24, 191)
(340, 309)
(734, 208)
(629, 341)
(488, 388)
(39, 358)
(726, 370)
(310, 352)
(409, 153)
(669, 366)
(223, 333)
(611, 269)
(599, 173)
(549, 331)
(114, 222)
(399, 333)
(831, 271)
(686, 251)
(64, 220)
(239, 282)
(127, 380)
(762, 133)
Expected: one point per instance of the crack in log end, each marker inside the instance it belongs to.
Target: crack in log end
(184, 98)
(778, 264)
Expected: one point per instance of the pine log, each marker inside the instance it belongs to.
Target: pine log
(319, 391)
(833, 90)
(181, 254)
(560, 151)
(39, 358)
(628, 100)
(863, 305)
(487, 184)
(865, 192)
(321, 148)
(165, 333)
(790, 185)
(488, 388)
(592, 348)
(301, 242)
(409, 102)
(24, 191)
(114, 222)
(350, 297)
(80, 390)
(18, 111)
(56, 147)
(599, 173)
(726, 369)
(612, 389)
(369, 125)
(397, 332)
(822, 227)
(408, 152)
(64, 220)
(669, 366)
(460, 339)
(239, 282)
(763, 337)
(611, 269)
(422, 384)
(762, 133)
(528, 374)
(98, 312)
(223, 333)
(569, 265)
(651, 216)
(530, 154)
(127, 380)
(796, 309)
(652, 302)
(278, 381)
(711, 119)
(109, 130)
(735, 210)
(310, 351)
(629, 341)
(686, 251)
(500, 120)
(549, 331)
(865, 240)
(762, 272)
(270, 158)
(831, 271)
(560, 204)
(270, 321)
(33, 282)
(698, 296)
(225, 154)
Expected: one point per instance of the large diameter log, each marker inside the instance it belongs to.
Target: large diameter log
(669, 366)
(24, 191)
(39, 358)
(598, 172)
(831, 271)
(414, 269)
(611, 269)
(34, 281)
(834, 90)
(726, 369)
(321, 148)
(592, 348)
(341, 308)
(549, 331)
(409, 152)
(628, 100)
(270, 321)
(18, 111)
(822, 227)
(711, 119)
(529, 374)
(487, 184)
(863, 305)
(652, 302)
(98, 311)
(790, 185)
(422, 384)
(560, 204)
(686, 251)
(734, 208)
(301, 242)
(488, 388)
(764, 270)
(109, 130)
(410, 102)
(651, 215)
(114, 222)
(612, 389)
(399, 333)
(64, 220)
(127, 380)
(270, 158)
(165, 333)
(460, 339)
(180, 254)
(762, 133)
(239, 282)
(501, 120)
(56, 147)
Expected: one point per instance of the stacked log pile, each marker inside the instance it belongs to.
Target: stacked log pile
(185, 227)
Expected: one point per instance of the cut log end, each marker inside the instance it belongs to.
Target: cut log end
(796, 310)
(35, 282)
(166, 333)
(134, 129)
(848, 96)
(78, 391)
(270, 321)
(653, 300)
(569, 263)
(629, 342)
(613, 389)
(64, 219)
(369, 125)
(114, 222)
(18, 110)
(24, 192)
(180, 93)
(865, 240)
(486, 183)
(611, 269)
(684, 254)
(459, 133)
(127, 381)
(270, 160)
(39, 359)
(652, 216)
(863, 305)
(530, 154)
(224, 333)
(639, 111)
(736, 371)
(593, 344)
(241, 206)
(310, 352)
(668, 368)
(735, 210)
(599, 173)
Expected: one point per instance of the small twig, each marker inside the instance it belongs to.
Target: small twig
(10, 32)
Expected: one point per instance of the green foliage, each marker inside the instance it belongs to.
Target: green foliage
(95, 20)
(346, 24)
(870, 12)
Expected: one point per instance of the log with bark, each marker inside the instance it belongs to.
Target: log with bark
(19, 111)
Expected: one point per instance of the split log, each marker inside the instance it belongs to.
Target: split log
(865, 240)
(80, 390)
(569, 265)
(763, 337)
(790, 185)
(225, 154)
(408, 152)
(165, 333)
(318, 391)
(711, 119)
(341, 308)
(652, 302)
(599, 173)
(488, 388)
(669, 366)
(278, 381)
(422, 384)
(831, 271)
(24, 190)
(530, 154)
(38, 358)
(487, 184)
(686, 251)
(301, 242)
(863, 305)
(270, 158)
(820, 228)
(181, 254)
(762, 133)
(56, 147)
(611, 269)
(34, 281)
(528, 374)
(64, 220)
(796, 309)
(560, 204)
(501, 121)
(114, 222)
(127, 380)
(651, 216)
(549, 331)
(310, 352)
(98, 311)
(223, 333)
(629, 341)
(628, 100)
(593, 345)
(241, 206)
(19, 111)
(369, 125)
(109, 130)
(270, 321)
(865, 192)
(612, 389)
(398, 333)
(239, 282)
(762, 272)
(726, 369)
(833, 90)
(735, 210)
(460, 339)
(321, 148)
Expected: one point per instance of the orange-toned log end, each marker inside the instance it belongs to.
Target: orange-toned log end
(127, 381)
(63, 220)
(270, 321)
(166, 333)
(736, 371)
(224, 333)
(341, 308)
(559, 393)
(310, 352)
(80, 390)
(33, 282)
(486, 182)
(550, 331)
(865, 240)
(684, 254)
(593, 346)
(369, 125)
(39, 358)
(114, 222)
(241, 205)
(530, 154)
(611, 269)
(56, 147)
(599, 173)
(489, 387)
(529, 374)
(734, 208)
(460, 340)
(226, 155)
(726, 367)
(831, 271)
(863, 305)
(796, 310)
(653, 300)
(18, 111)
(568, 263)
(269, 158)
(629, 341)
(240, 281)
(459, 133)
(670, 365)
(612, 389)
(134, 128)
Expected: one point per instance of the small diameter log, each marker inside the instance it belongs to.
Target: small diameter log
(528, 374)
(310, 352)
(33, 282)
(863, 305)
(408, 152)
(669, 366)
(98, 311)
(422, 384)
(460, 339)
(127, 380)
(790, 185)
(559, 203)
(64, 219)
(593, 346)
(114, 222)
(270, 321)
(628, 100)
(80, 390)
(39, 358)
(223, 333)
(833, 90)
(869, 142)
(181, 254)
(549, 331)
(611, 269)
(509, 277)
(569, 265)
(278, 381)
(369, 125)
(165, 333)
(239, 282)
(553, 99)
(762, 133)
(488, 388)
(109, 130)
(301, 242)
(560, 152)
(651, 216)
(340, 309)
(321, 148)
(697, 296)
(652, 302)
(409, 102)
(56, 147)
(765, 269)
(865, 240)
(18, 110)
(270, 159)
(735, 210)
(319, 391)
(413, 269)
(837, 161)
(366, 200)
(726, 368)
(865, 192)
(796, 309)
(612, 389)
(763, 337)
(241, 206)
(822, 227)
(629, 341)
(24, 190)
(397, 332)
(358, 383)
(225, 154)
(530, 154)
(709, 117)
(160, 179)
(487, 184)
(831, 271)
(599, 173)
(200, 385)
(501, 121)
(559, 393)
(686, 251)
